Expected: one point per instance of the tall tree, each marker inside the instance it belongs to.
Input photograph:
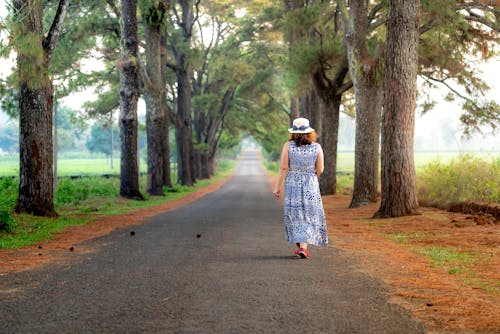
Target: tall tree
(181, 49)
(34, 51)
(398, 121)
(154, 16)
(129, 94)
(365, 70)
(319, 58)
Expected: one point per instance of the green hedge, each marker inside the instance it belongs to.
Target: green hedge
(466, 178)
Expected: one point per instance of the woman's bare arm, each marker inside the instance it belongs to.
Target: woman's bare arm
(320, 162)
(282, 171)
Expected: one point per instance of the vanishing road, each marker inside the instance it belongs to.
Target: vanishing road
(217, 265)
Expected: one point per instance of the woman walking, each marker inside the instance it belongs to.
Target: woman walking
(302, 163)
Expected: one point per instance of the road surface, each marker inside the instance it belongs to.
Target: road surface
(218, 265)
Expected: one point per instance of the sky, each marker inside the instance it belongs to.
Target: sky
(429, 128)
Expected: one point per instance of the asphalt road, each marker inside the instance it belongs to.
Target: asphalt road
(238, 276)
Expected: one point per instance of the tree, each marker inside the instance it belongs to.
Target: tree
(398, 121)
(129, 94)
(154, 16)
(181, 47)
(34, 48)
(365, 70)
(319, 58)
(101, 138)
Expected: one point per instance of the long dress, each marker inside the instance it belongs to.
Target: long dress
(304, 214)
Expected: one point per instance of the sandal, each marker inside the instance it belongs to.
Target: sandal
(303, 253)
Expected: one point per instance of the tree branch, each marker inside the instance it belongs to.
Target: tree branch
(374, 11)
(282, 108)
(476, 18)
(115, 9)
(50, 41)
(429, 25)
(443, 81)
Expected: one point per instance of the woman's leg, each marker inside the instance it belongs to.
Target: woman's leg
(303, 245)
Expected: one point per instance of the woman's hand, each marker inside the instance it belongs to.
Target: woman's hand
(276, 193)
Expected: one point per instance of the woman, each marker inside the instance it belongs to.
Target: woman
(302, 162)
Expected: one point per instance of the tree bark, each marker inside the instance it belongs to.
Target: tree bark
(183, 132)
(154, 90)
(311, 109)
(398, 121)
(330, 92)
(36, 93)
(330, 109)
(129, 94)
(368, 94)
(167, 177)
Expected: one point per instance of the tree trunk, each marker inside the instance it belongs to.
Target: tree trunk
(56, 142)
(36, 178)
(366, 152)
(311, 109)
(183, 133)
(330, 92)
(368, 94)
(129, 94)
(167, 177)
(155, 113)
(112, 150)
(398, 122)
(36, 191)
(329, 139)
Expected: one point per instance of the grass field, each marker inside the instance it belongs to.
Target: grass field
(79, 201)
(9, 165)
(67, 167)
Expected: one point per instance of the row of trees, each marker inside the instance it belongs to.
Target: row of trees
(378, 48)
(213, 70)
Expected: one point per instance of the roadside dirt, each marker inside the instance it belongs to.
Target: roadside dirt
(465, 301)
(462, 297)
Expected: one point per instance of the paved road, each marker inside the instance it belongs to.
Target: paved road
(238, 277)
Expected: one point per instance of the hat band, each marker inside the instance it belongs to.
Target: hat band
(300, 128)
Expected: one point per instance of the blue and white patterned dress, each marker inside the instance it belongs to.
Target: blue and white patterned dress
(304, 214)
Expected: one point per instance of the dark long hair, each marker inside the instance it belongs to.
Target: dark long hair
(303, 138)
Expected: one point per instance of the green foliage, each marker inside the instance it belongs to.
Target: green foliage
(317, 44)
(8, 193)
(100, 138)
(7, 224)
(74, 191)
(445, 53)
(466, 178)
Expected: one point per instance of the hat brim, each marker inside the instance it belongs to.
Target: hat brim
(308, 130)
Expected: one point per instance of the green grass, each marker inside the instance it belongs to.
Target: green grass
(65, 167)
(406, 238)
(464, 178)
(450, 259)
(80, 201)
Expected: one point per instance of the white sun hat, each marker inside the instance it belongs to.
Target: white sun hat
(300, 125)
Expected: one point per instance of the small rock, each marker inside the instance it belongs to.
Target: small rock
(132, 233)
(40, 246)
(198, 235)
(429, 304)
